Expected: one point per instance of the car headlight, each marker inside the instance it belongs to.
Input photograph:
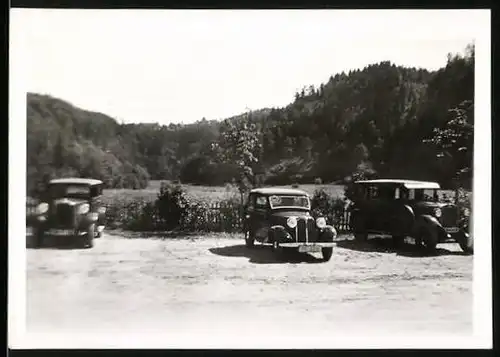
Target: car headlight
(83, 208)
(437, 212)
(101, 210)
(93, 216)
(42, 208)
(466, 212)
(291, 222)
(321, 222)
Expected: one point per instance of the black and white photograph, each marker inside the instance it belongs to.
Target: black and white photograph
(257, 179)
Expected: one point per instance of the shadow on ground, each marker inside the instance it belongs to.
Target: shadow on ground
(55, 242)
(386, 245)
(263, 254)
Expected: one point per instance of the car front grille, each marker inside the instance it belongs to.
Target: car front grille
(449, 216)
(64, 215)
(306, 230)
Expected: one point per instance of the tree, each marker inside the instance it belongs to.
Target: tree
(239, 145)
(454, 142)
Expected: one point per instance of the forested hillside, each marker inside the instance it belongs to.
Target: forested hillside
(377, 121)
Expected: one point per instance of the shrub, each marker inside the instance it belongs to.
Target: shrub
(318, 181)
(361, 173)
(172, 207)
(323, 204)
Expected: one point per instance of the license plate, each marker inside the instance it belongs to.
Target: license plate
(451, 230)
(61, 232)
(309, 248)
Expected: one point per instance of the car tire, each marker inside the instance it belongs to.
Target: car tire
(88, 240)
(465, 242)
(249, 240)
(429, 239)
(279, 252)
(398, 240)
(39, 237)
(360, 237)
(327, 253)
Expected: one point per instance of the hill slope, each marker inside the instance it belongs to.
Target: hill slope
(373, 120)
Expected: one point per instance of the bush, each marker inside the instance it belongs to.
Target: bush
(130, 214)
(318, 181)
(323, 204)
(172, 207)
(358, 175)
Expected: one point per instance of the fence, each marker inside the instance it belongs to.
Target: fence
(214, 217)
(227, 217)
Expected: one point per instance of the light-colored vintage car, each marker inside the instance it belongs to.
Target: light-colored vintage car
(69, 207)
(281, 217)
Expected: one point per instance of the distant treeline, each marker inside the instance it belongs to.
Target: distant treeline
(376, 121)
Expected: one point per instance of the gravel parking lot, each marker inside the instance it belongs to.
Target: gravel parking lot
(214, 283)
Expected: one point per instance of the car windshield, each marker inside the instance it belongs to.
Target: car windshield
(69, 190)
(279, 201)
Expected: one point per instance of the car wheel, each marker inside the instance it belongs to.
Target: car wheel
(360, 237)
(398, 240)
(279, 252)
(249, 240)
(418, 241)
(39, 236)
(88, 241)
(466, 242)
(429, 239)
(327, 253)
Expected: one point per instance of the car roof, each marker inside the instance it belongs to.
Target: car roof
(278, 191)
(76, 180)
(405, 183)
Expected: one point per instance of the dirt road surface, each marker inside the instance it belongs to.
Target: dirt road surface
(216, 284)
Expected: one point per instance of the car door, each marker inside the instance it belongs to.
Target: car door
(260, 218)
(371, 211)
(401, 216)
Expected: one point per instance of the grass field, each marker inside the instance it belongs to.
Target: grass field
(209, 193)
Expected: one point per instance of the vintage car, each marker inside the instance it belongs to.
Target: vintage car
(404, 208)
(70, 207)
(282, 217)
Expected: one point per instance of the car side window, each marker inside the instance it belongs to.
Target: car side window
(397, 193)
(95, 191)
(373, 192)
(261, 202)
(251, 203)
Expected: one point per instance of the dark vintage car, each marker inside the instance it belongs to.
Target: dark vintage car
(404, 208)
(69, 207)
(282, 217)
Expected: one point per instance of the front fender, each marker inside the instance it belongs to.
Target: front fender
(37, 220)
(327, 234)
(88, 219)
(278, 233)
(429, 222)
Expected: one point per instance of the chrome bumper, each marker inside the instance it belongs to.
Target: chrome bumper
(64, 232)
(299, 244)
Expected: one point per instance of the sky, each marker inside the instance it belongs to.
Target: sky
(179, 66)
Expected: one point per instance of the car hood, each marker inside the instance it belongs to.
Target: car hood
(425, 205)
(289, 213)
(68, 201)
(280, 217)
